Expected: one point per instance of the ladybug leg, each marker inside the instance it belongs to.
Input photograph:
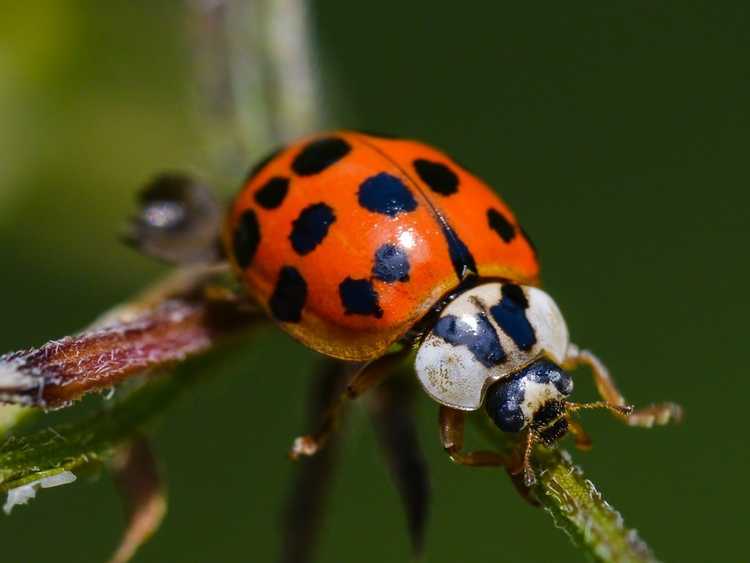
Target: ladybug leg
(646, 417)
(368, 377)
(306, 503)
(581, 437)
(452, 422)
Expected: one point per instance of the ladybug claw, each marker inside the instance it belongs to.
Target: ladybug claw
(529, 479)
(304, 446)
(655, 415)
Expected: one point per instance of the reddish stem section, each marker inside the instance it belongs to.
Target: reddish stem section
(64, 370)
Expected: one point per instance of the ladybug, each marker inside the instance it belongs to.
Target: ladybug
(381, 250)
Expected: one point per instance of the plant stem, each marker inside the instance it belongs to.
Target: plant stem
(575, 504)
(92, 440)
(255, 76)
(578, 508)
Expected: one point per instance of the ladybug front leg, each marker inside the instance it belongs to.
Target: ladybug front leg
(646, 417)
(452, 423)
(369, 377)
(582, 439)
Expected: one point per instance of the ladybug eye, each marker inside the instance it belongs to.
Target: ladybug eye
(179, 221)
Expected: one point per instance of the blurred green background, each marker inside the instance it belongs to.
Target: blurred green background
(618, 132)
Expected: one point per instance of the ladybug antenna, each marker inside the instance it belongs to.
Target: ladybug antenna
(620, 410)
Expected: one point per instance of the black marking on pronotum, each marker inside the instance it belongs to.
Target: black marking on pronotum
(319, 155)
(386, 194)
(438, 177)
(427, 323)
(289, 296)
(359, 297)
(246, 238)
(311, 227)
(391, 264)
(261, 164)
(510, 314)
(504, 398)
(515, 294)
(481, 340)
(271, 195)
(501, 225)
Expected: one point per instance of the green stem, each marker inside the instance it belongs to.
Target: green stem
(94, 439)
(578, 508)
(255, 79)
(575, 504)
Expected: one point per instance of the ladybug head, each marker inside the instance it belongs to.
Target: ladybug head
(501, 345)
(533, 398)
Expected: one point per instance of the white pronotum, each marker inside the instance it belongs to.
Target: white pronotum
(451, 373)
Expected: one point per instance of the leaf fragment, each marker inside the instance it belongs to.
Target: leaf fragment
(141, 488)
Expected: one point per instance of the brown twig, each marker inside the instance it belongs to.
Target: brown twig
(176, 320)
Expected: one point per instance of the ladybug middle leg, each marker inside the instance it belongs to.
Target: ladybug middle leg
(646, 417)
(305, 508)
(368, 377)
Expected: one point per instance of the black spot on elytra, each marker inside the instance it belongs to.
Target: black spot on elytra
(504, 398)
(438, 177)
(391, 264)
(386, 194)
(261, 164)
(311, 227)
(319, 155)
(510, 314)
(246, 238)
(359, 298)
(482, 340)
(289, 296)
(461, 257)
(501, 225)
(272, 193)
